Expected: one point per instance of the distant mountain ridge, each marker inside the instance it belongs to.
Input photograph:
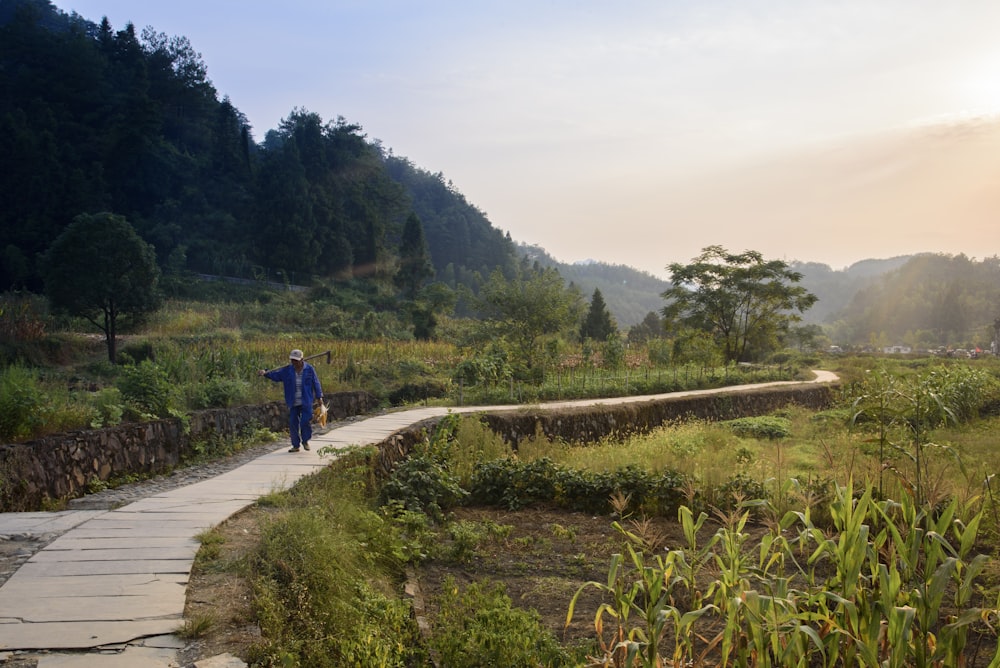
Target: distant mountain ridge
(97, 119)
(836, 288)
(629, 293)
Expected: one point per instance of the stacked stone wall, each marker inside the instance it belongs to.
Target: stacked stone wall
(37, 473)
(588, 424)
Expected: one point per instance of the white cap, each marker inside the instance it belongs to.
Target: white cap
(295, 354)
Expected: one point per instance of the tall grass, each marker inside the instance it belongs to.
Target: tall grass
(324, 580)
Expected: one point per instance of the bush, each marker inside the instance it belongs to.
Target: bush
(480, 627)
(139, 351)
(146, 389)
(421, 483)
(409, 393)
(217, 392)
(514, 484)
(21, 403)
(765, 426)
(738, 489)
(107, 407)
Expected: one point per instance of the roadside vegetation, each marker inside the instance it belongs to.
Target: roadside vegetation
(859, 535)
(196, 353)
(862, 535)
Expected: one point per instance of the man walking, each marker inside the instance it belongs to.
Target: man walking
(301, 389)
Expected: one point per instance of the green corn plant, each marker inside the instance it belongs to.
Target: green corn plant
(852, 548)
(732, 563)
(622, 595)
(646, 593)
(692, 560)
(780, 630)
(876, 401)
(898, 636)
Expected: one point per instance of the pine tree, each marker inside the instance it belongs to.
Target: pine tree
(598, 323)
(414, 260)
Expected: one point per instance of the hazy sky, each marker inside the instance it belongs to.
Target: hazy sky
(639, 132)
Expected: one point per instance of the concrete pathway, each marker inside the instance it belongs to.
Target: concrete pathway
(115, 576)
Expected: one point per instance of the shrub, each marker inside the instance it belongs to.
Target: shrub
(765, 426)
(216, 392)
(107, 407)
(409, 393)
(146, 389)
(421, 483)
(139, 351)
(480, 627)
(739, 488)
(21, 403)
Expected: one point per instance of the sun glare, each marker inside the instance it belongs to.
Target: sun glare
(980, 90)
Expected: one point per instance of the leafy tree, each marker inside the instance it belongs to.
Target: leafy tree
(100, 269)
(598, 323)
(651, 327)
(695, 346)
(806, 337)
(742, 300)
(431, 301)
(613, 351)
(527, 307)
(414, 261)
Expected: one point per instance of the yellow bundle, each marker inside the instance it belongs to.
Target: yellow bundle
(319, 413)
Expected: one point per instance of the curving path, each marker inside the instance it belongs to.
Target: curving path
(115, 576)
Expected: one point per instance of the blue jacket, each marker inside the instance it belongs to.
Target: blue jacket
(311, 388)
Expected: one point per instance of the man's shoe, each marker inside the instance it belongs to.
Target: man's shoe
(305, 445)
(294, 449)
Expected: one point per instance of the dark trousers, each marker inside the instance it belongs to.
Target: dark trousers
(299, 427)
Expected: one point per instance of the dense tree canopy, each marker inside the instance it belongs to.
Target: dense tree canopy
(742, 300)
(529, 306)
(97, 119)
(414, 262)
(651, 327)
(99, 269)
(931, 300)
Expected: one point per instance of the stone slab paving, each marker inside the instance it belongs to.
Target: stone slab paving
(115, 576)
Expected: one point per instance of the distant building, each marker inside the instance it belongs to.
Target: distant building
(897, 350)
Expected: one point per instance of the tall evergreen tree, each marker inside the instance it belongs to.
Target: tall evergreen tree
(598, 323)
(414, 260)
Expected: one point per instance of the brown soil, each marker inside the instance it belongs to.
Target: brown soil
(546, 556)
(542, 561)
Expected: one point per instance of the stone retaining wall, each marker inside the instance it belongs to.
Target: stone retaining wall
(587, 424)
(56, 467)
(59, 466)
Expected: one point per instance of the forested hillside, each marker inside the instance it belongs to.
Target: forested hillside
(630, 294)
(835, 288)
(931, 300)
(94, 118)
